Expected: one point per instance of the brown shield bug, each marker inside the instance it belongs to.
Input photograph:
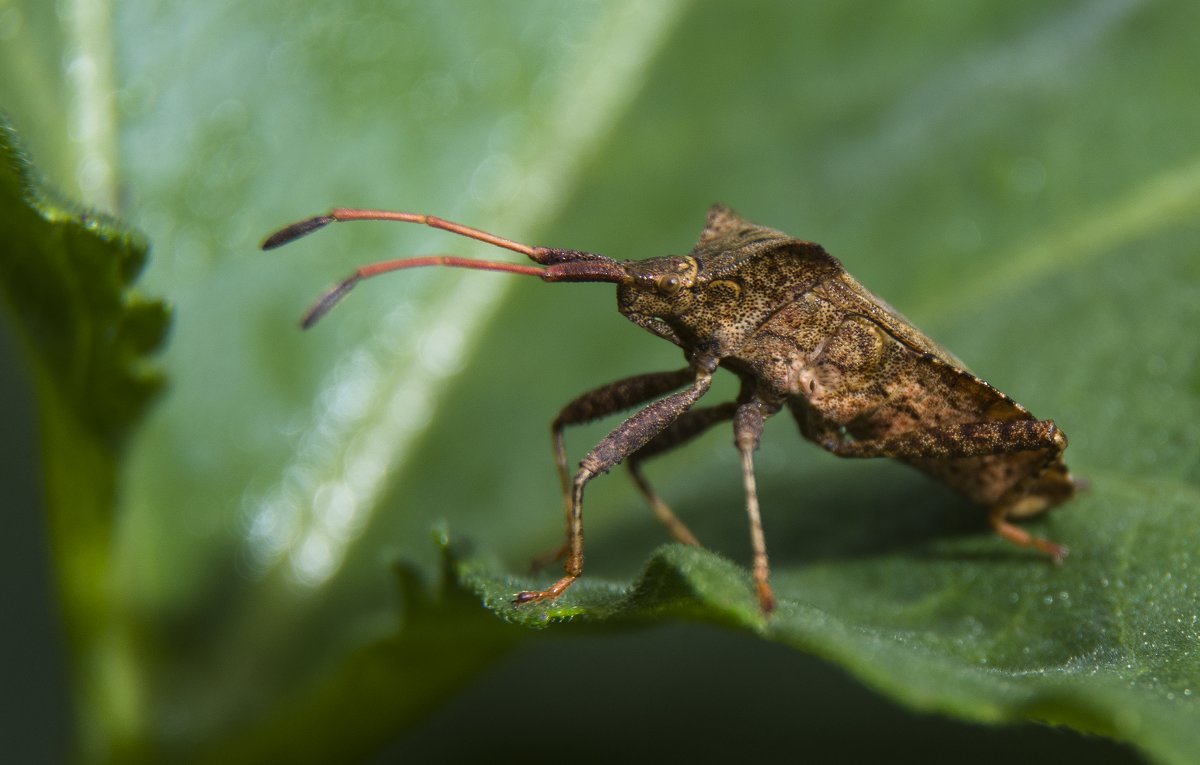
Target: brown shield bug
(799, 332)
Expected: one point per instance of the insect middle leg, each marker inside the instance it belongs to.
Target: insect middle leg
(748, 424)
(626, 439)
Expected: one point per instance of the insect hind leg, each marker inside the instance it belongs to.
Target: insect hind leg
(998, 517)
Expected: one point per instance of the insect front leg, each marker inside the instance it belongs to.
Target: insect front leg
(626, 439)
(691, 424)
(605, 400)
(748, 424)
(601, 402)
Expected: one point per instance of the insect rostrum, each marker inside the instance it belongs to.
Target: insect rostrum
(800, 333)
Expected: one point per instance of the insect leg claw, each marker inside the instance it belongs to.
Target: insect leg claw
(550, 593)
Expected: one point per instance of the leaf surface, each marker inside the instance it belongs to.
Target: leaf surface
(1021, 180)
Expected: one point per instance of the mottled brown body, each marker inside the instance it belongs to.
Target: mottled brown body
(799, 332)
(854, 372)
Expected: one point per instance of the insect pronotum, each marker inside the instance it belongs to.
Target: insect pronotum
(799, 332)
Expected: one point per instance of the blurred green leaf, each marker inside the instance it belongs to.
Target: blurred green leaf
(1019, 179)
(65, 276)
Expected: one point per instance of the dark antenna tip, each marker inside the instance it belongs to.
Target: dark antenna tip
(327, 302)
(296, 230)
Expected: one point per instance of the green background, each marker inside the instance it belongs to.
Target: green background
(1020, 179)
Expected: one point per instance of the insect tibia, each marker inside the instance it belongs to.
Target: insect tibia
(296, 230)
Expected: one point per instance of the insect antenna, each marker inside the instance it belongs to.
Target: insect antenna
(327, 301)
(559, 265)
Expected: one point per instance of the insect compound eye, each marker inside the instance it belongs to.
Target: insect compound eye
(668, 285)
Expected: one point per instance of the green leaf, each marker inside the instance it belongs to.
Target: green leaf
(65, 276)
(67, 273)
(1020, 179)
